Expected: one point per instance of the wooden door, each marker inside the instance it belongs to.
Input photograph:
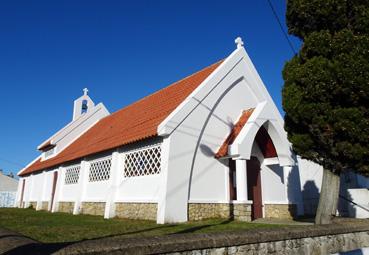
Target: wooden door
(55, 180)
(254, 187)
(21, 205)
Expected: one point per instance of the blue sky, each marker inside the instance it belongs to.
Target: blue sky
(121, 51)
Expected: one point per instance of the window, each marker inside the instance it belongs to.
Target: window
(72, 174)
(49, 152)
(144, 161)
(100, 170)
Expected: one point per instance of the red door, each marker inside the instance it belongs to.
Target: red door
(254, 187)
(55, 179)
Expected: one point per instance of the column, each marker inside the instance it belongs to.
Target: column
(114, 180)
(83, 180)
(241, 180)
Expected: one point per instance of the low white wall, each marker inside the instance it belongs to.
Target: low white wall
(361, 207)
(46, 196)
(311, 175)
(142, 188)
(69, 192)
(273, 184)
(97, 191)
(38, 183)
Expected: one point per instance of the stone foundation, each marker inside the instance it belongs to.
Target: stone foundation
(93, 208)
(33, 204)
(137, 211)
(45, 205)
(200, 211)
(66, 207)
(280, 211)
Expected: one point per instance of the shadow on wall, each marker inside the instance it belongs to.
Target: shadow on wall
(345, 206)
(294, 192)
(310, 198)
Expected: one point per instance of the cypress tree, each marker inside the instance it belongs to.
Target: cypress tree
(326, 91)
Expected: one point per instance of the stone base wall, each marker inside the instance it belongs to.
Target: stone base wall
(66, 207)
(137, 211)
(45, 205)
(33, 204)
(93, 208)
(320, 245)
(200, 211)
(280, 211)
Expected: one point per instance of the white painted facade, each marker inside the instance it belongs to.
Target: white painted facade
(188, 140)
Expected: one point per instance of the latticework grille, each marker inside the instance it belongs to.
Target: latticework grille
(99, 170)
(145, 161)
(72, 174)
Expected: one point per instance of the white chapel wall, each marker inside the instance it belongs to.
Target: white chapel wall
(212, 121)
(38, 182)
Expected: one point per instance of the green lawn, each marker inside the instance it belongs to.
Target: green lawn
(62, 227)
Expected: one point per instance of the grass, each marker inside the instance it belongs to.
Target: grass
(62, 227)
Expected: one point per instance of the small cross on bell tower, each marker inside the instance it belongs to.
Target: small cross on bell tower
(85, 91)
(239, 42)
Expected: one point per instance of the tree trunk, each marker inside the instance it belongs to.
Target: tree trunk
(328, 199)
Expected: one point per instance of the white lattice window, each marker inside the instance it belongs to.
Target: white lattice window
(72, 174)
(100, 170)
(145, 161)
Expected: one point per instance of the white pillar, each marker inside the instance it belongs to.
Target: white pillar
(286, 173)
(116, 175)
(241, 180)
(83, 180)
(173, 199)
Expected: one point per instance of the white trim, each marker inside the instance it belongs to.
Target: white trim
(276, 202)
(200, 201)
(134, 200)
(270, 161)
(173, 120)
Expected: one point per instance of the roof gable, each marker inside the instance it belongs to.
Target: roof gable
(135, 122)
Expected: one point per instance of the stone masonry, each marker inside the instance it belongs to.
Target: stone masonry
(33, 204)
(44, 205)
(66, 207)
(200, 211)
(93, 208)
(280, 211)
(138, 211)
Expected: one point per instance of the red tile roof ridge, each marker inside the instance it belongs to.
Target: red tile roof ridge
(167, 87)
(134, 122)
(236, 129)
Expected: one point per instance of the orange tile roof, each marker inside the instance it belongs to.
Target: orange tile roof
(130, 124)
(223, 150)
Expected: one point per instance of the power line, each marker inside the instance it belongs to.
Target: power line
(12, 162)
(281, 27)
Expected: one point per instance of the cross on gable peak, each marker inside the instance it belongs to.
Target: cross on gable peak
(85, 91)
(239, 42)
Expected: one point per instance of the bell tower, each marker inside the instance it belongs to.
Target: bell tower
(82, 105)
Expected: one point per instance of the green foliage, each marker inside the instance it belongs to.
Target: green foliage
(326, 91)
